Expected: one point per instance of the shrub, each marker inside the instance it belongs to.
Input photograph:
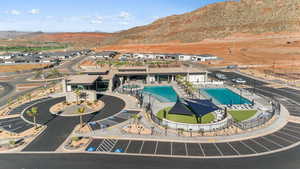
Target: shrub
(75, 138)
(12, 142)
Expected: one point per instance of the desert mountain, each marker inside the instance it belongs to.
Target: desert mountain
(216, 21)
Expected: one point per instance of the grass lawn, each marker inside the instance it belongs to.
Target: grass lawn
(185, 118)
(241, 115)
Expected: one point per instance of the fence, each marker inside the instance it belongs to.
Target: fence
(151, 105)
(212, 127)
(261, 118)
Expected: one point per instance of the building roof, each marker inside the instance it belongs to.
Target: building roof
(173, 70)
(82, 79)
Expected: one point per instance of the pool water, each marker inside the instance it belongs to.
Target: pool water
(162, 93)
(225, 96)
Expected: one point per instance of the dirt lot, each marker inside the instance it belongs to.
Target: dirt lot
(20, 67)
(243, 49)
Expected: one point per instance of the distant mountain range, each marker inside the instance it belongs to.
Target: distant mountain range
(216, 21)
(15, 34)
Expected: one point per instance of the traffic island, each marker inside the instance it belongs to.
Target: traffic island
(73, 108)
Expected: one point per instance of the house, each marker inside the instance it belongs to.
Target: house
(9, 61)
(171, 56)
(126, 56)
(160, 56)
(204, 57)
(138, 56)
(7, 56)
(184, 57)
(106, 54)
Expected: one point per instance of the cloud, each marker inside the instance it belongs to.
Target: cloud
(97, 20)
(14, 12)
(34, 11)
(124, 15)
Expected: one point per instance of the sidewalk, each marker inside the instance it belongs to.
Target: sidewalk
(117, 132)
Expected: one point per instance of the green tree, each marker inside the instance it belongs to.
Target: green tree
(29, 96)
(33, 112)
(78, 93)
(10, 102)
(80, 111)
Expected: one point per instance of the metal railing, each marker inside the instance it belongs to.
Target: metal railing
(262, 118)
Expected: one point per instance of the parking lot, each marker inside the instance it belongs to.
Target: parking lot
(20, 108)
(15, 124)
(113, 120)
(287, 136)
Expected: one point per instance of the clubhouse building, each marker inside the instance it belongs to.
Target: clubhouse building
(105, 78)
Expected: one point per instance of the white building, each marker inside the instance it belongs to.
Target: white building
(185, 57)
(5, 57)
(203, 58)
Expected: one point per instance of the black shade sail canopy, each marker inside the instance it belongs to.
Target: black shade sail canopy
(201, 107)
(180, 108)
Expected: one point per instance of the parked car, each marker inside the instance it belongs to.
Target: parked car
(239, 80)
(232, 66)
(221, 76)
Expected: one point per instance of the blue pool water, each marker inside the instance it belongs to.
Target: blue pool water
(225, 96)
(162, 93)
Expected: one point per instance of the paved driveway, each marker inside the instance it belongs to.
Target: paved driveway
(59, 128)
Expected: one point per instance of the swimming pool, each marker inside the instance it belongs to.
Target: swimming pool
(162, 93)
(224, 96)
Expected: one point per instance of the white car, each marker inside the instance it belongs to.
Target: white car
(221, 76)
(239, 80)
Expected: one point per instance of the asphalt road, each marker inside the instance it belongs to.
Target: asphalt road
(59, 128)
(7, 89)
(282, 160)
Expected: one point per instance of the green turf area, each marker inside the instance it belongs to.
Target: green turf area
(29, 49)
(241, 115)
(208, 118)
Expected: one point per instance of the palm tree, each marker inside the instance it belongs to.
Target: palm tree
(78, 93)
(80, 111)
(33, 112)
(99, 63)
(135, 118)
(29, 96)
(10, 102)
(19, 99)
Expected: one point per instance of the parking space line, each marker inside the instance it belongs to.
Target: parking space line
(294, 127)
(286, 133)
(201, 149)
(260, 144)
(186, 151)
(289, 128)
(115, 143)
(233, 148)
(283, 138)
(142, 147)
(250, 148)
(100, 145)
(156, 147)
(171, 150)
(127, 146)
(271, 141)
(218, 149)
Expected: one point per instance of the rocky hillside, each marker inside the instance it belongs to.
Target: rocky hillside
(216, 21)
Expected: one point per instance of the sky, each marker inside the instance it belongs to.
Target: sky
(89, 15)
